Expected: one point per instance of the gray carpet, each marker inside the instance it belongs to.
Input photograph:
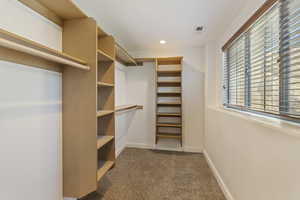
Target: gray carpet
(159, 175)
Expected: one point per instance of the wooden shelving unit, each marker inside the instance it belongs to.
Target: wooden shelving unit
(88, 96)
(168, 99)
(106, 103)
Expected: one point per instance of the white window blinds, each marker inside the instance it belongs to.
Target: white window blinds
(290, 57)
(262, 67)
(236, 72)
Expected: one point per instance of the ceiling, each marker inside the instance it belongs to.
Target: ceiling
(141, 24)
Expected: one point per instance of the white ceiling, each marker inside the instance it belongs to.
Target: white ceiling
(141, 24)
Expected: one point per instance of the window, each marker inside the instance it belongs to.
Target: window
(262, 63)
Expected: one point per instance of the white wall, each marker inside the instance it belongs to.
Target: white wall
(30, 114)
(122, 118)
(254, 158)
(142, 91)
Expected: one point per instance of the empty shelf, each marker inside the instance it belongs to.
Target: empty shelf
(169, 72)
(176, 125)
(17, 43)
(169, 83)
(104, 112)
(103, 167)
(102, 84)
(102, 140)
(169, 104)
(169, 94)
(168, 135)
(169, 114)
(104, 57)
(127, 107)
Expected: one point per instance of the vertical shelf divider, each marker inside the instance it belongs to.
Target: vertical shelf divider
(79, 109)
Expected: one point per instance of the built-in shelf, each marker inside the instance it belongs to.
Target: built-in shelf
(23, 45)
(102, 84)
(169, 83)
(103, 167)
(104, 113)
(102, 140)
(169, 94)
(124, 57)
(104, 57)
(169, 73)
(169, 114)
(127, 107)
(168, 135)
(177, 125)
(169, 104)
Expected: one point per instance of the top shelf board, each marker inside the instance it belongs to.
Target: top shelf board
(21, 44)
(124, 57)
(56, 11)
(170, 61)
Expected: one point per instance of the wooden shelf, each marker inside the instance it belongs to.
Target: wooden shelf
(176, 125)
(102, 56)
(169, 94)
(169, 104)
(102, 140)
(169, 114)
(124, 57)
(20, 44)
(169, 135)
(55, 10)
(102, 84)
(104, 113)
(169, 83)
(170, 61)
(103, 167)
(169, 72)
(127, 107)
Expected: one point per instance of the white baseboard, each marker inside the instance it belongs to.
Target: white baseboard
(147, 146)
(220, 181)
(68, 198)
(119, 150)
(139, 145)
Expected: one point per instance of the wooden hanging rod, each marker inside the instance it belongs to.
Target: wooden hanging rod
(31, 51)
(127, 108)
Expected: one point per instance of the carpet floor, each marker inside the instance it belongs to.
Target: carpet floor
(159, 175)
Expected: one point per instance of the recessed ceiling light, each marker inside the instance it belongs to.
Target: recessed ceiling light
(162, 42)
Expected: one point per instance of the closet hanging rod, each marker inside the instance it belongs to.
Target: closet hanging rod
(21, 48)
(127, 108)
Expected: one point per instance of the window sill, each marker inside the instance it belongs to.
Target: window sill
(288, 128)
